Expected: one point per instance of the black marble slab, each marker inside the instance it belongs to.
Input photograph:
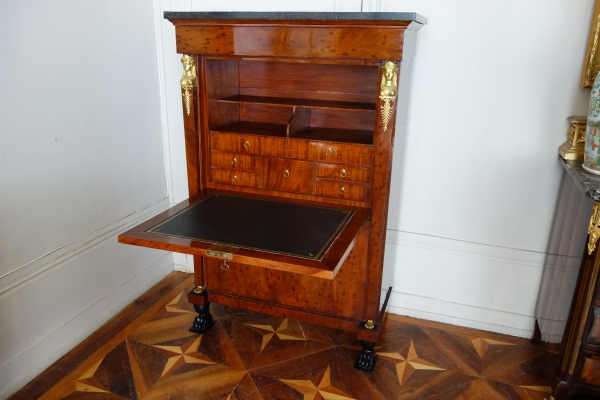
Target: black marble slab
(301, 16)
(589, 184)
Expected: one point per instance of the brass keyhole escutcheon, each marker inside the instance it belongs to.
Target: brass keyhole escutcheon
(223, 265)
(246, 144)
(234, 179)
(329, 151)
(286, 173)
(234, 161)
(342, 190)
(343, 173)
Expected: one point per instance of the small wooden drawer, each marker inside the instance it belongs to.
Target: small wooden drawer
(243, 280)
(231, 160)
(251, 144)
(340, 153)
(341, 172)
(286, 175)
(330, 151)
(342, 190)
(234, 177)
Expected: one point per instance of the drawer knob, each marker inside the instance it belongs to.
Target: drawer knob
(234, 161)
(329, 151)
(342, 190)
(286, 173)
(223, 265)
(234, 179)
(343, 173)
(246, 144)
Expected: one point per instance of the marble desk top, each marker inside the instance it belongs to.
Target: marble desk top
(319, 16)
(589, 184)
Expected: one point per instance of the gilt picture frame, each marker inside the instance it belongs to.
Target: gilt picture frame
(591, 64)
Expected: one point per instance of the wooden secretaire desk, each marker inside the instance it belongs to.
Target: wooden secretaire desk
(289, 130)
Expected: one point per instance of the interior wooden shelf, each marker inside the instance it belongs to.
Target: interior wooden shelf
(253, 128)
(336, 135)
(339, 105)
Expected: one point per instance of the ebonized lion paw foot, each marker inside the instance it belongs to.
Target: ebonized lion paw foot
(366, 359)
(203, 322)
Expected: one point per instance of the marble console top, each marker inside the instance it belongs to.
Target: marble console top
(319, 16)
(589, 184)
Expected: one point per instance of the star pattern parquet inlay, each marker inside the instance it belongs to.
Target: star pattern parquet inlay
(248, 356)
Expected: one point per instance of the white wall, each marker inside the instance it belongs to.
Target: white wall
(469, 226)
(81, 160)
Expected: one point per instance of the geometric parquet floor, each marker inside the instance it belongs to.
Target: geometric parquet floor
(248, 356)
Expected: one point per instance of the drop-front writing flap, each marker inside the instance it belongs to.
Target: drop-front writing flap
(311, 239)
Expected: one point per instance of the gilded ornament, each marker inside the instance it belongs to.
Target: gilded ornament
(188, 80)
(594, 228)
(592, 62)
(370, 324)
(388, 91)
(198, 289)
(573, 148)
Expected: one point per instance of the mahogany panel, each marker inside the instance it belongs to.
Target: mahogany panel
(244, 280)
(270, 146)
(286, 175)
(341, 172)
(265, 113)
(340, 153)
(284, 311)
(591, 370)
(300, 121)
(253, 128)
(290, 196)
(336, 135)
(343, 119)
(309, 102)
(221, 79)
(304, 93)
(343, 296)
(231, 160)
(192, 145)
(298, 149)
(234, 177)
(342, 190)
(383, 146)
(318, 82)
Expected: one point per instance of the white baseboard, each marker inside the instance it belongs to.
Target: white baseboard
(53, 304)
(468, 284)
(29, 364)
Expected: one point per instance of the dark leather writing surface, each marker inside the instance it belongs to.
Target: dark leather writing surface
(284, 228)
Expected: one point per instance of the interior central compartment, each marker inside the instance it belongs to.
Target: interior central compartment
(292, 99)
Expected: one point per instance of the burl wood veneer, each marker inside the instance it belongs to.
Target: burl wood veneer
(280, 109)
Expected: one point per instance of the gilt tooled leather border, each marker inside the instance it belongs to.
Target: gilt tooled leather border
(316, 257)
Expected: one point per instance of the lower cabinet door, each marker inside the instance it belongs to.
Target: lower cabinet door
(243, 280)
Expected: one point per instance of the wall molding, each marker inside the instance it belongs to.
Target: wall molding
(458, 303)
(17, 372)
(43, 264)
